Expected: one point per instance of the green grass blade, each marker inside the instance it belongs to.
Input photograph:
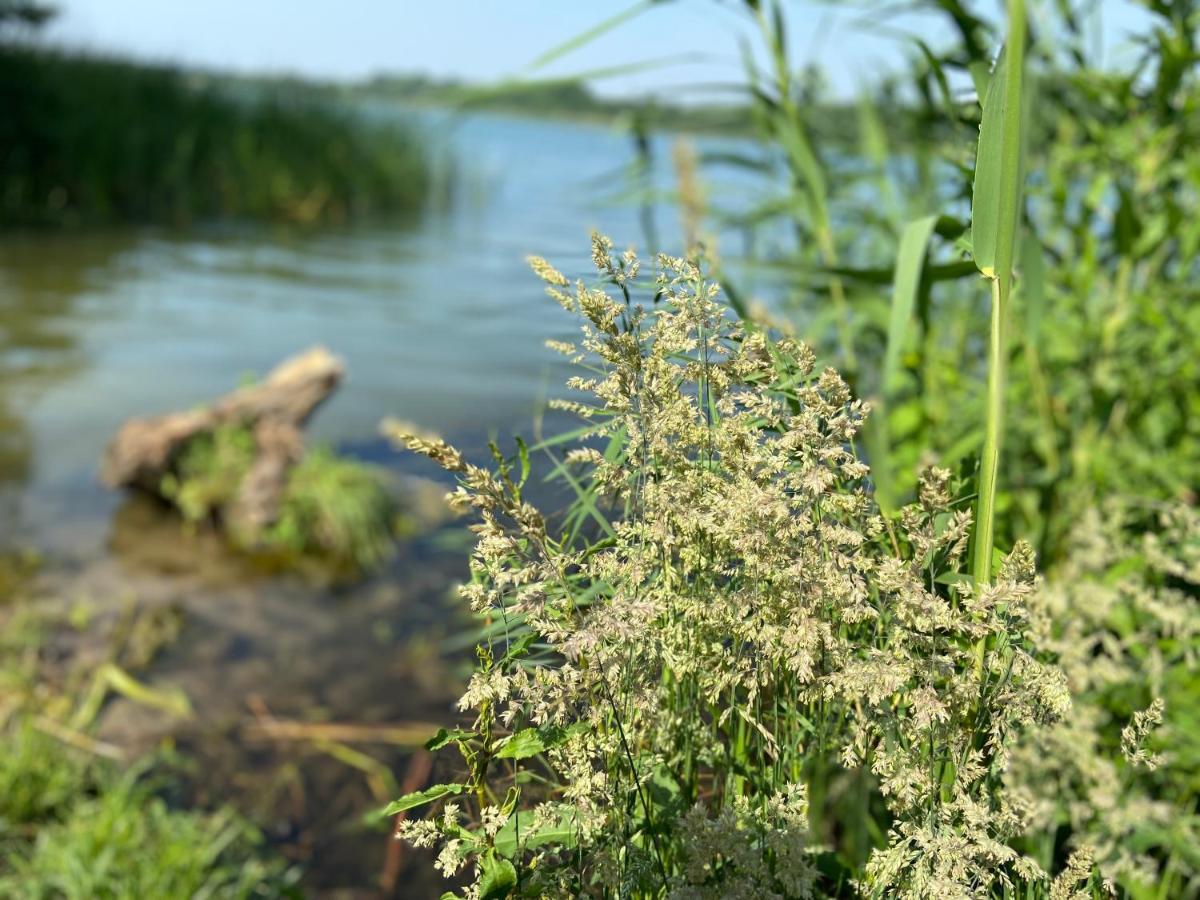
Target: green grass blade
(985, 196)
(996, 196)
(587, 36)
(910, 261)
(995, 212)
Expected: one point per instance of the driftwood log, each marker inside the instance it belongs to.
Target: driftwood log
(145, 450)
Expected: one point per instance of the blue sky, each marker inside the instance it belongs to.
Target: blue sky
(482, 40)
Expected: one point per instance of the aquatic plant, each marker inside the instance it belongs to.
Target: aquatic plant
(746, 681)
(332, 507)
(338, 507)
(208, 471)
(93, 140)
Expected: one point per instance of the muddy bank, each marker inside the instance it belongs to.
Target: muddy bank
(248, 645)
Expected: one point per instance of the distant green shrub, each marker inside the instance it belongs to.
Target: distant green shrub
(86, 139)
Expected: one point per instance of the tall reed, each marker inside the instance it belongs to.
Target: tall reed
(995, 214)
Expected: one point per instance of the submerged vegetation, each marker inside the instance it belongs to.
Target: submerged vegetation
(87, 140)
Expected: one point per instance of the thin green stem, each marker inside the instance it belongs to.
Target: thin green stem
(1008, 214)
(989, 463)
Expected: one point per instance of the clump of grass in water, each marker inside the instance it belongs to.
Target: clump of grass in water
(209, 470)
(333, 508)
(337, 506)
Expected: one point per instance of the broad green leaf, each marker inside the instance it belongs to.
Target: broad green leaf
(995, 213)
(498, 877)
(519, 647)
(1033, 286)
(532, 741)
(408, 801)
(985, 194)
(914, 244)
(518, 834)
(996, 197)
(444, 737)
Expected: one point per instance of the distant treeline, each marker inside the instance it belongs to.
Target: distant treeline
(86, 139)
(574, 99)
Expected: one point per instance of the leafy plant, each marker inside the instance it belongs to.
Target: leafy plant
(332, 507)
(209, 470)
(79, 832)
(337, 507)
(675, 707)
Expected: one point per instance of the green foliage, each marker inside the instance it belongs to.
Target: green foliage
(75, 824)
(752, 684)
(75, 830)
(208, 471)
(87, 140)
(39, 780)
(1100, 383)
(333, 508)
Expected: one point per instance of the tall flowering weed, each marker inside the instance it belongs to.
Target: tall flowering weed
(674, 693)
(1121, 772)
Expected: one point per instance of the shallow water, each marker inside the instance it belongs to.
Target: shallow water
(438, 321)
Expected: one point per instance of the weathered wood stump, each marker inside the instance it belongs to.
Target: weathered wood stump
(144, 451)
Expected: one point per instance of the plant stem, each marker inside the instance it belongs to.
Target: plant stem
(989, 462)
(1006, 232)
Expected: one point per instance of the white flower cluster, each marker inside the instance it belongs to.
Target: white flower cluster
(725, 618)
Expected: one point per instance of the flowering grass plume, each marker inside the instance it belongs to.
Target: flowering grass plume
(724, 663)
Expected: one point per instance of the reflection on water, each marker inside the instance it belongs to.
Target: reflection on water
(439, 323)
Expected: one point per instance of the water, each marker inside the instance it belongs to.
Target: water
(439, 322)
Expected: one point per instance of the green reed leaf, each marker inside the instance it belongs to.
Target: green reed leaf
(910, 261)
(532, 741)
(518, 832)
(445, 737)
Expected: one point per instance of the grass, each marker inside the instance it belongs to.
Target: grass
(333, 509)
(995, 212)
(89, 140)
(74, 828)
(77, 820)
(650, 716)
(336, 507)
(748, 682)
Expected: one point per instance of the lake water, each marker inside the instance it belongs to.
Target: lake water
(439, 322)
